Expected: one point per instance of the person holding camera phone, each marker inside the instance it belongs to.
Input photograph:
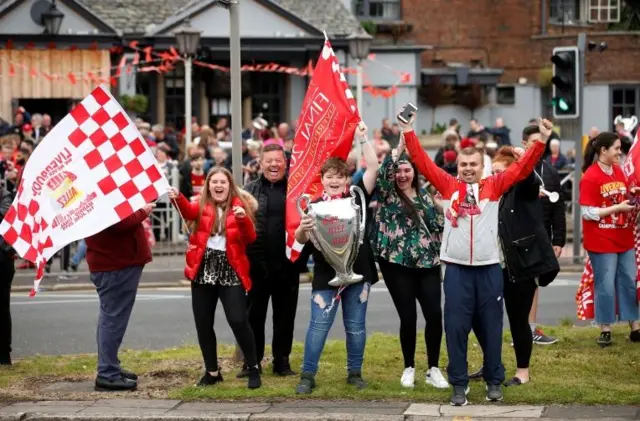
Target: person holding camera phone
(473, 282)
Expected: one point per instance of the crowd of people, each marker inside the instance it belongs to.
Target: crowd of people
(456, 220)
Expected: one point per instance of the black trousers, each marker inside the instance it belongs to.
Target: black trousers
(282, 288)
(7, 270)
(204, 300)
(406, 285)
(518, 299)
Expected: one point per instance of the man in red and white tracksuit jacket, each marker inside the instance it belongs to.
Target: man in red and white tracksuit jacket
(473, 283)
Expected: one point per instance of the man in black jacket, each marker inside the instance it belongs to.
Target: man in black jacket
(7, 270)
(274, 276)
(554, 220)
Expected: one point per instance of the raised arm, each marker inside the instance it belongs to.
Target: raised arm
(370, 157)
(189, 210)
(444, 182)
(521, 169)
(386, 176)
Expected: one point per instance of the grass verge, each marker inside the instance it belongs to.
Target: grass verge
(574, 371)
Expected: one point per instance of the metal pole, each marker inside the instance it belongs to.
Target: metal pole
(187, 104)
(359, 95)
(577, 219)
(236, 109)
(236, 92)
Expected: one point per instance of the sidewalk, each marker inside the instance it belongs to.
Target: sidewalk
(151, 410)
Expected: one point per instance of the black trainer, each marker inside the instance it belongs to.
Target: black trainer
(355, 379)
(494, 392)
(5, 359)
(254, 381)
(634, 336)
(459, 396)
(307, 384)
(114, 385)
(605, 339)
(245, 371)
(476, 375)
(282, 368)
(129, 375)
(209, 380)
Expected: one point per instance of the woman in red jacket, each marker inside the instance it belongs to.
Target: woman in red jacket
(218, 267)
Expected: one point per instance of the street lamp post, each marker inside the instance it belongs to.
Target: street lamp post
(359, 45)
(187, 39)
(52, 19)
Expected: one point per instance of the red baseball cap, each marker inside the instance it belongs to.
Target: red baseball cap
(27, 127)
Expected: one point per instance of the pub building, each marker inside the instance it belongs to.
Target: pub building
(54, 52)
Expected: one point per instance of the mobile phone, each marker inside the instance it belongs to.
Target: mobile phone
(407, 111)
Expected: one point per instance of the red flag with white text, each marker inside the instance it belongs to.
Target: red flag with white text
(91, 171)
(326, 126)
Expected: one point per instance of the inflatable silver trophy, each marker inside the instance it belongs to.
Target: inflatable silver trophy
(338, 232)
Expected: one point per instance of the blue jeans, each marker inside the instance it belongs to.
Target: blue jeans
(354, 301)
(614, 275)
(117, 293)
(81, 253)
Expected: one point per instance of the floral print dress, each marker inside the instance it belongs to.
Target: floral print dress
(395, 235)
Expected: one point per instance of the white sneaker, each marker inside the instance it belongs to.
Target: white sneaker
(408, 377)
(436, 379)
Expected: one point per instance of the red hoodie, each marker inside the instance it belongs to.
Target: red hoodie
(120, 246)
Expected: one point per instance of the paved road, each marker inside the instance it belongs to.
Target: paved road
(64, 323)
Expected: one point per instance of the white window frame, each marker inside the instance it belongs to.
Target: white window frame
(397, 4)
(600, 6)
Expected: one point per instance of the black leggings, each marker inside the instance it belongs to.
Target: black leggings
(518, 298)
(406, 285)
(204, 300)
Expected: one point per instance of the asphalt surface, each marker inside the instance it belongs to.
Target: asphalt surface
(65, 322)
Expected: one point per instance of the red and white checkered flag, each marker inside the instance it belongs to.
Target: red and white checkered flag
(91, 171)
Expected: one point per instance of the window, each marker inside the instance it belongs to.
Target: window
(377, 9)
(174, 97)
(604, 10)
(505, 95)
(566, 11)
(625, 102)
(268, 93)
(573, 12)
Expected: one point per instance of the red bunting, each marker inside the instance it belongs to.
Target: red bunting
(170, 57)
(29, 46)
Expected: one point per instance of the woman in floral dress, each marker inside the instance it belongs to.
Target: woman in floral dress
(406, 241)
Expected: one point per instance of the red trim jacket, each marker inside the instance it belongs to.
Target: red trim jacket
(239, 233)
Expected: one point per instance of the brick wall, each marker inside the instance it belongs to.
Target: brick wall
(506, 34)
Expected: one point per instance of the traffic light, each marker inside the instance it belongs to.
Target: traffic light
(566, 81)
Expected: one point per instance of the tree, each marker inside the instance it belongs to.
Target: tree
(435, 94)
(471, 97)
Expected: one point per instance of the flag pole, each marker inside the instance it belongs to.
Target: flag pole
(184, 222)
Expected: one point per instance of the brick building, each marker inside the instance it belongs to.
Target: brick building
(505, 46)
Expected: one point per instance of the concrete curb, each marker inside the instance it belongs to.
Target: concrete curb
(304, 279)
(266, 417)
(84, 287)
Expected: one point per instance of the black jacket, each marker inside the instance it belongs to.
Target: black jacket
(555, 221)
(5, 203)
(527, 250)
(257, 251)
